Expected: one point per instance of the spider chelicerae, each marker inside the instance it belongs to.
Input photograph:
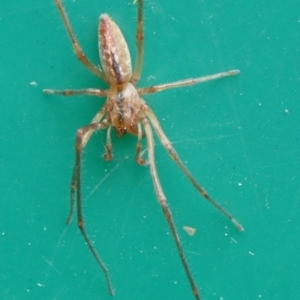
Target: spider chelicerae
(127, 112)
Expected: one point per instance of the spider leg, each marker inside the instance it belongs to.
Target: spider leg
(139, 43)
(168, 146)
(165, 208)
(138, 156)
(82, 138)
(108, 147)
(87, 136)
(186, 82)
(77, 49)
(89, 92)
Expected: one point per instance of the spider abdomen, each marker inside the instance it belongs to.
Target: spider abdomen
(114, 52)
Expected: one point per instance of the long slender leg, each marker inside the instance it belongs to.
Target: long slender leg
(81, 141)
(89, 92)
(139, 43)
(86, 138)
(108, 147)
(138, 156)
(165, 208)
(167, 144)
(77, 49)
(186, 82)
(74, 182)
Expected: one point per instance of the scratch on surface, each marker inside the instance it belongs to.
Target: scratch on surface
(92, 284)
(193, 252)
(188, 140)
(233, 240)
(104, 178)
(50, 262)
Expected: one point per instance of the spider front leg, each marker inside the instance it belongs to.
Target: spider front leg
(168, 146)
(77, 49)
(164, 205)
(89, 92)
(82, 138)
(139, 43)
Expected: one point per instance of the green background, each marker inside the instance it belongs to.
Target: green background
(239, 137)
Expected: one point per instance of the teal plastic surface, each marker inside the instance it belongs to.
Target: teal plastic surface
(238, 136)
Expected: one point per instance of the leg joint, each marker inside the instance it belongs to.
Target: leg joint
(81, 224)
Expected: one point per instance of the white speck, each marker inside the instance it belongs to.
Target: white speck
(286, 111)
(240, 184)
(45, 228)
(251, 253)
(189, 230)
(39, 284)
(33, 83)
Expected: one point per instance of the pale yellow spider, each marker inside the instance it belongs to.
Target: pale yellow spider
(126, 111)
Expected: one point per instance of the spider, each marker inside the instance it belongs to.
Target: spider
(127, 112)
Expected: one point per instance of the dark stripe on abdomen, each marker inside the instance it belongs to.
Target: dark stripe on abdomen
(116, 68)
